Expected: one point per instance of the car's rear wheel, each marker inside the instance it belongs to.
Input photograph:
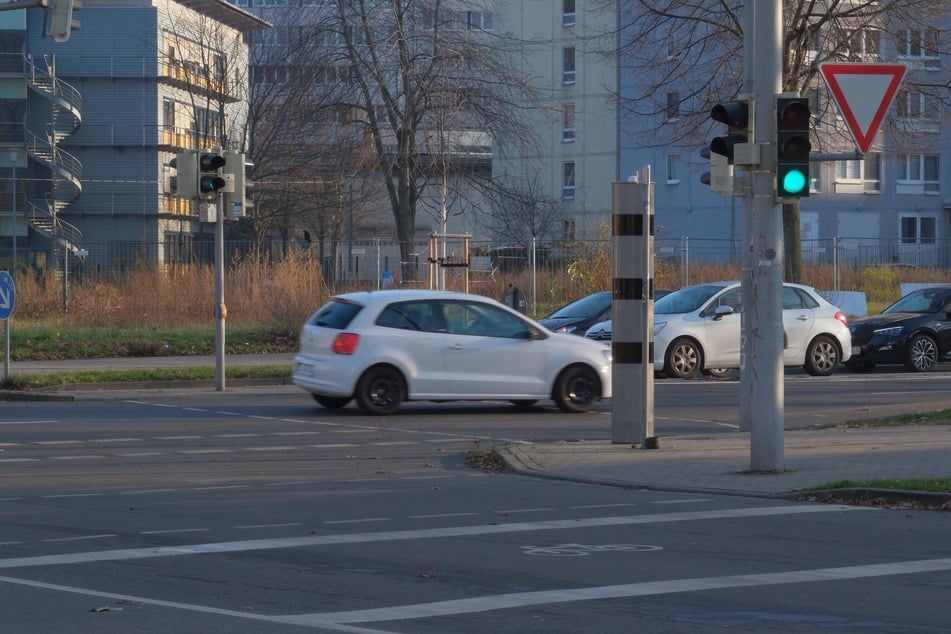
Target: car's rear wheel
(381, 390)
(332, 402)
(822, 356)
(683, 359)
(921, 353)
(577, 389)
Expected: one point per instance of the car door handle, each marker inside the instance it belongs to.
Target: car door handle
(803, 317)
(456, 346)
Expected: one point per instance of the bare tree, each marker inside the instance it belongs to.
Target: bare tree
(696, 48)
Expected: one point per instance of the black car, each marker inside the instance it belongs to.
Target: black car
(914, 331)
(579, 315)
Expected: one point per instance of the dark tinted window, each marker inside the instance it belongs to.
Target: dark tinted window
(588, 306)
(412, 316)
(335, 314)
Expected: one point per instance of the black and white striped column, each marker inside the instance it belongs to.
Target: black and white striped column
(632, 312)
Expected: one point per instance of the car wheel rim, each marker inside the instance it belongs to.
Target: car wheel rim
(923, 354)
(580, 391)
(825, 356)
(382, 392)
(685, 360)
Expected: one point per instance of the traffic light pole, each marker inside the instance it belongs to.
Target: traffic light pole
(762, 374)
(221, 312)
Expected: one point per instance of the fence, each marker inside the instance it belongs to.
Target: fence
(549, 275)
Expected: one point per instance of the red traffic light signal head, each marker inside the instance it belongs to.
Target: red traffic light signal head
(735, 114)
(210, 162)
(794, 114)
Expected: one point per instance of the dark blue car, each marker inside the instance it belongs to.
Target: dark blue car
(914, 331)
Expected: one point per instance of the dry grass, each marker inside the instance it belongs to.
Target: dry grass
(282, 295)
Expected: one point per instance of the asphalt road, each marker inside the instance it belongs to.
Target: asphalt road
(253, 510)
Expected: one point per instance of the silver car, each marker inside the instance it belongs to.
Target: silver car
(697, 329)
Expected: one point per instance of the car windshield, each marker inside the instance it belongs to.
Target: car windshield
(584, 307)
(926, 300)
(685, 300)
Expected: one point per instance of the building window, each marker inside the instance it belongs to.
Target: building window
(858, 176)
(920, 45)
(478, 21)
(862, 44)
(568, 180)
(673, 106)
(568, 230)
(568, 65)
(918, 174)
(872, 172)
(673, 170)
(918, 229)
(568, 13)
(916, 105)
(568, 123)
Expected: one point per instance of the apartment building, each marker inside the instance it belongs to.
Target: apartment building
(89, 127)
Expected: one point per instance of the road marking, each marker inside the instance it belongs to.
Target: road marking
(57, 442)
(71, 495)
(359, 521)
(147, 491)
(28, 422)
(141, 454)
(513, 511)
(689, 501)
(599, 506)
(171, 531)
(78, 539)
(440, 516)
(85, 457)
(649, 588)
(116, 440)
(422, 533)
(19, 459)
(204, 451)
(257, 526)
(179, 437)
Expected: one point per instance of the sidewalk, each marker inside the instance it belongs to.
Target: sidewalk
(710, 463)
(720, 463)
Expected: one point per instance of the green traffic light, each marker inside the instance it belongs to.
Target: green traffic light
(794, 181)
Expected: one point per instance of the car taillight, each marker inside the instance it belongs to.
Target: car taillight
(841, 317)
(346, 343)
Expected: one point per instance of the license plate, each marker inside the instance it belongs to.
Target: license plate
(856, 351)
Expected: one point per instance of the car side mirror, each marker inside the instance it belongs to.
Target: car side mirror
(721, 312)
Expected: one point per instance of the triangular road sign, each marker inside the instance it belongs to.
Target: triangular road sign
(863, 92)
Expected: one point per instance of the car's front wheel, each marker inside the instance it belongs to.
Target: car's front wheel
(331, 402)
(921, 353)
(822, 356)
(577, 389)
(683, 359)
(381, 390)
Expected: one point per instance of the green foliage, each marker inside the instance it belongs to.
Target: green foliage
(880, 285)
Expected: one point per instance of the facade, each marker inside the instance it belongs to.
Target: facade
(891, 207)
(94, 122)
(566, 50)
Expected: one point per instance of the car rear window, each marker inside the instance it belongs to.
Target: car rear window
(335, 314)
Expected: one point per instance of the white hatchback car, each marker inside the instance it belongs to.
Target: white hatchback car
(382, 348)
(697, 329)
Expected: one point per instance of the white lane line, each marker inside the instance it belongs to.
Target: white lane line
(688, 501)
(57, 442)
(85, 457)
(28, 422)
(333, 445)
(394, 443)
(237, 435)
(10, 499)
(271, 448)
(429, 477)
(178, 437)
(258, 526)
(296, 433)
(423, 533)
(141, 454)
(650, 588)
(19, 459)
(440, 516)
(223, 487)
(147, 491)
(79, 539)
(238, 414)
(600, 506)
(204, 451)
(171, 531)
(179, 606)
(201, 410)
(116, 440)
(365, 520)
(9, 543)
(9, 444)
(71, 495)
(514, 511)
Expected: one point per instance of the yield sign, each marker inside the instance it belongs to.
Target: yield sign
(863, 93)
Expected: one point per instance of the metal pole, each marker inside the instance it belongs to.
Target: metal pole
(13, 162)
(221, 311)
(746, 240)
(766, 340)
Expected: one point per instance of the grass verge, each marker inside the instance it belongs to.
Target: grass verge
(204, 373)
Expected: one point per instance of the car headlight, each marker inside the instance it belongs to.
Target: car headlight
(567, 329)
(658, 326)
(893, 331)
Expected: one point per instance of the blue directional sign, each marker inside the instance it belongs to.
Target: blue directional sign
(7, 295)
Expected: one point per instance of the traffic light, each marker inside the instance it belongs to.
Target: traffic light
(235, 202)
(792, 147)
(186, 177)
(60, 18)
(209, 181)
(723, 150)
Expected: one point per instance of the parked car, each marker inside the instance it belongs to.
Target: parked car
(914, 331)
(382, 348)
(575, 317)
(697, 329)
(578, 316)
